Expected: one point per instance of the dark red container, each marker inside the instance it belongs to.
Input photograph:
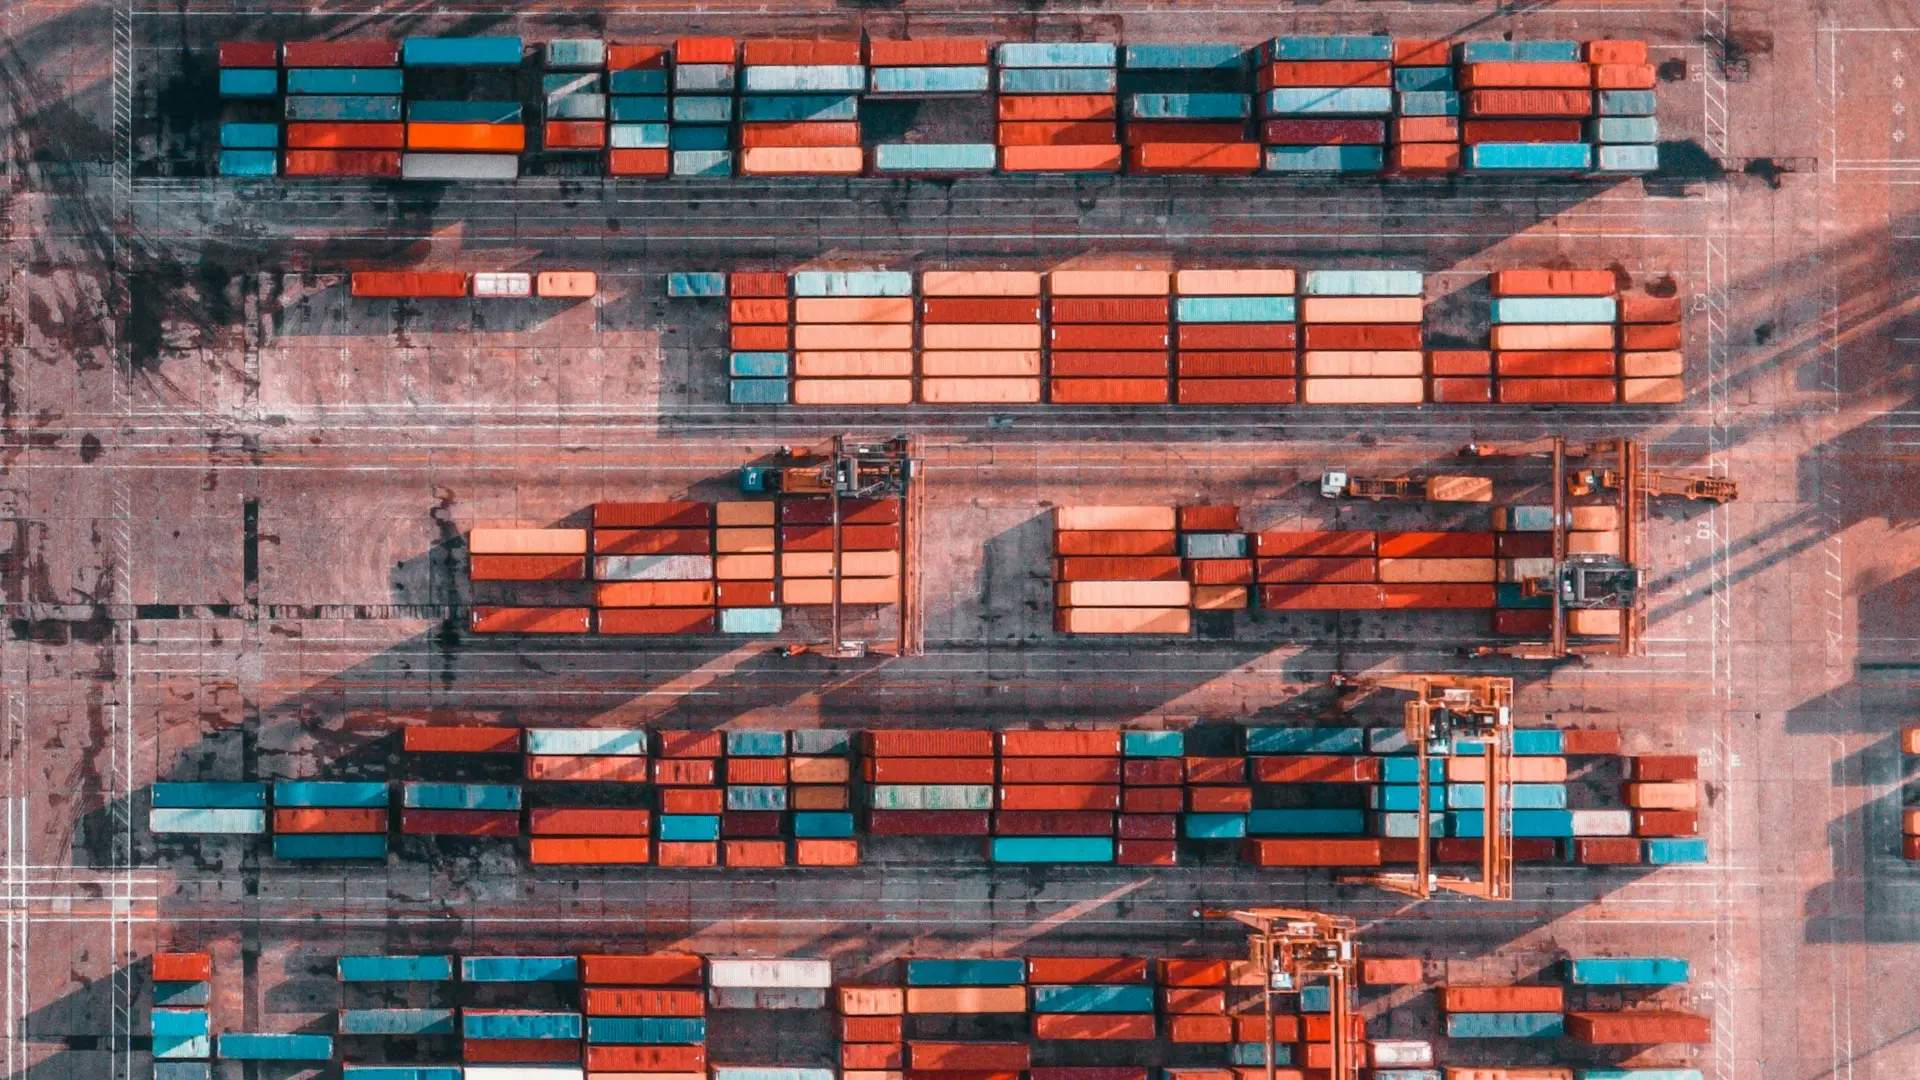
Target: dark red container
(1466, 849)
(1606, 851)
(1152, 800)
(1436, 597)
(1641, 308)
(489, 823)
(305, 54)
(1142, 132)
(691, 744)
(1153, 771)
(1655, 768)
(1321, 543)
(1523, 545)
(1052, 823)
(1065, 364)
(1045, 770)
(1521, 131)
(1523, 622)
(1220, 571)
(1083, 309)
(1364, 336)
(1321, 597)
(460, 740)
(1147, 852)
(1313, 852)
(1255, 391)
(1590, 741)
(250, 54)
(604, 1058)
(683, 772)
(341, 163)
(985, 309)
(1650, 337)
(927, 822)
(1146, 568)
(852, 538)
(1323, 132)
(1435, 545)
(1638, 1027)
(1109, 336)
(1098, 542)
(519, 1051)
(755, 824)
(1209, 518)
(1149, 827)
(852, 511)
(1557, 391)
(673, 514)
(1243, 364)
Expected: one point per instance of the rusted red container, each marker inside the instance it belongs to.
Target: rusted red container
(1253, 391)
(1521, 131)
(744, 594)
(800, 51)
(900, 770)
(1220, 571)
(182, 967)
(1119, 568)
(1219, 800)
(1436, 545)
(1084, 309)
(1147, 853)
(1056, 132)
(1639, 1027)
(1650, 337)
(1209, 518)
(1189, 971)
(1108, 391)
(1059, 770)
(1085, 969)
(656, 620)
(1363, 336)
(908, 743)
(391, 284)
(1321, 543)
(1436, 597)
(1201, 1029)
(757, 770)
(983, 309)
(491, 823)
(1663, 767)
(1523, 622)
(573, 135)
(1523, 545)
(1060, 797)
(634, 55)
(1321, 597)
(927, 822)
(656, 969)
(750, 823)
(852, 538)
(1290, 571)
(852, 511)
(530, 620)
(519, 1051)
(760, 283)
(1153, 771)
(1093, 1026)
(1557, 391)
(460, 740)
(683, 772)
(1323, 132)
(251, 54)
(1065, 364)
(287, 819)
(1448, 391)
(872, 1056)
(1152, 800)
(1147, 826)
(1110, 336)
(872, 1029)
(691, 744)
(1391, 971)
(1313, 852)
(674, 514)
(800, 133)
(587, 821)
(1530, 103)
(607, 1001)
(309, 54)
(1466, 849)
(968, 1055)
(1236, 336)
(1316, 769)
(1087, 1072)
(1052, 823)
(341, 163)
(1590, 741)
(1142, 132)
(1460, 362)
(692, 800)
(1641, 308)
(1215, 770)
(1115, 542)
(1248, 1029)
(1606, 851)
(1552, 363)
(606, 1058)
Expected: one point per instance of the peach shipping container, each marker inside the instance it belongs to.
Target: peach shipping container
(981, 391)
(1362, 309)
(819, 564)
(1519, 336)
(743, 567)
(1138, 594)
(992, 363)
(962, 999)
(1593, 543)
(492, 138)
(1362, 364)
(1363, 391)
(872, 1001)
(1096, 158)
(530, 620)
(803, 160)
(811, 770)
(973, 336)
(1653, 391)
(1437, 571)
(743, 513)
(1468, 769)
(1593, 518)
(845, 337)
(1122, 620)
(1219, 597)
(979, 283)
(1553, 282)
(1676, 795)
(857, 363)
(853, 309)
(1391, 971)
(653, 593)
(1115, 542)
(1133, 518)
(852, 391)
(1011, 107)
(505, 541)
(807, 592)
(744, 541)
(1234, 282)
(1910, 740)
(1108, 282)
(567, 284)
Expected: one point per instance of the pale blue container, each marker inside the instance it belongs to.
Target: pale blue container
(1624, 129)
(696, 283)
(935, 158)
(821, 742)
(396, 1022)
(1044, 54)
(930, 80)
(703, 78)
(1233, 309)
(1519, 52)
(702, 110)
(1554, 309)
(1627, 103)
(757, 365)
(1057, 81)
(576, 53)
(182, 1046)
(626, 742)
(394, 968)
(756, 797)
(182, 994)
(1327, 101)
(1401, 826)
(1525, 796)
(1430, 103)
(853, 283)
(1217, 545)
(1365, 283)
(803, 79)
(210, 820)
(754, 620)
(1304, 740)
(271, 1046)
(752, 392)
(1629, 159)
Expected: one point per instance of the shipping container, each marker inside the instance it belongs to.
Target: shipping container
(461, 52)
(459, 166)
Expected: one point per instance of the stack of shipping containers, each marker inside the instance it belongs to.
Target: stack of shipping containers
(1523, 551)
(1624, 133)
(704, 78)
(1187, 110)
(1218, 797)
(1363, 338)
(1059, 792)
(521, 559)
(476, 133)
(214, 807)
(980, 337)
(1234, 337)
(760, 359)
(1315, 570)
(853, 337)
(1107, 337)
(769, 984)
(743, 567)
(1553, 336)
(821, 772)
(596, 835)
(645, 1015)
(349, 128)
(639, 139)
(249, 133)
(1503, 1012)
(574, 97)
(653, 568)
(686, 776)
(1311, 797)
(941, 71)
(754, 815)
(1426, 125)
(1091, 998)
(800, 108)
(1152, 779)
(1663, 790)
(1215, 556)
(374, 977)
(1651, 360)
(317, 819)
(1057, 107)
(492, 1036)
(182, 988)
(869, 551)
(928, 783)
(1305, 81)
(939, 989)
(872, 1029)
(1460, 376)
(431, 808)
(1527, 106)
(1118, 571)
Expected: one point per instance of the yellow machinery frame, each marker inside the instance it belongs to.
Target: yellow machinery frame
(1290, 946)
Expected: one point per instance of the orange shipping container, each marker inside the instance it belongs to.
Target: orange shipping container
(1480, 999)
(1521, 336)
(1426, 157)
(802, 161)
(529, 620)
(685, 541)
(1107, 310)
(1641, 308)
(754, 853)
(1182, 971)
(1146, 568)
(927, 52)
(1108, 336)
(704, 50)
(757, 770)
(1059, 744)
(758, 310)
(605, 1001)
(1482, 131)
(1136, 1026)
(1109, 391)
(1460, 362)
(346, 136)
(528, 568)
(1098, 158)
(800, 133)
(1426, 129)
(587, 821)
(1650, 337)
(630, 56)
(961, 999)
(587, 850)
(439, 284)
(872, 1056)
(1181, 1001)
(655, 969)
(655, 621)
(1135, 365)
(743, 567)
(1362, 309)
(1055, 133)
(1200, 1029)
(672, 853)
(1017, 107)
(650, 1059)
(1556, 391)
(1639, 1027)
(757, 284)
(758, 338)
(815, 770)
(1529, 102)
(1313, 852)
(1085, 969)
(1603, 51)
(1184, 157)
(1364, 337)
(1421, 52)
(644, 162)
(801, 52)
(852, 391)
(490, 138)
(1462, 391)
(1553, 282)
(1258, 336)
(573, 135)
(1554, 363)
(1060, 796)
(1560, 75)
(1624, 77)
(1317, 543)
(1268, 390)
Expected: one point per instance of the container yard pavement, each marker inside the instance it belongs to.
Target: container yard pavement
(160, 629)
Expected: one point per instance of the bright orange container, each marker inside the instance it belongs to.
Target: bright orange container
(1059, 744)
(1108, 391)
(928, 52)
(1182, 157)
(1552, 282)
(573, 135)
(1426, 157)
(488, 138)
(651, 162)
(610, 1001)
(1427, 129)
(1624, 77)
(627, 57)
(653, 594)
(1472, 999)
(1055, 107)
(1604, 51)
(1324, 73)
(800, 133)
(1554, 363)
(1093, 1026)
(529, 620)
(1055, 133)
(1419, 52)
(704, 50)
(1547, 76)
(588, 850)
(800, 51)
(1099, 158)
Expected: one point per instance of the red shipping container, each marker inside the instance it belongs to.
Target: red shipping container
(1102, 337)
(1436, 597)
(460, 740)
(668, 514)
(757, 284)
(1060, 797)
(1236, 365)
(1641, 1027)
(1655, 768)
(341, 163)
(1462, 391)
(1155, 852)
(389, 284)
(1565, 74)
(601, 1001)
(1316, 769)
(757, 338)
(1427, 129)
(1316, 543)
(929, 770)
(587, 850)
(852, 511)
(692, 800)
(1485, 999)
(754, 824)
(1651, 337)
(1624, 76)
(1055, 970)
(1590, 741)
(758, 310)
(1435, 545)
(872, 1029)
(960, 1074)
(1153, 771)
(1523, 622)
(1641, 308)
(1209, 518)
(517, 620)
(1152, 800)
(656, 621)
(519, 1051)
(1523, 545)
(751, 770)
(872, 1056)
(488, 823)
(1199, 1029)
(249, 54)
(1323, 73)
(1268, 391)
(968, 1055)
(1460, 362)
(1529, 103)
(1186, 971)
(346, 136)
(1291, 571)
(1323, 132)
(691, 744)
(701, 50)
(329, 820)
(1052, 823)
(1391, 971)
(1318, 1028)
(927, 822)
(698, 541)
(1191, 1001)
(1421, 52)
(800, 133)
(801, 51)
(1114, 542)
(1219, 800)
(574, 135)
(1087, 1072)
(1286, 1029)
(852, 538)
(744, 594)
(979, 309)
(182, 967)
(1028, 107)
(1366, 336)
(1313, 852)
(1184, 157)
(1322, 597)
(1063, 364)
(655, 969)
(1422, 158)
(631, 56)
(754, 853)
(1557, 391)
(1606, 851)
(1216, 770)
(1076, 309)
(1554, 363)
(685, 854)
(683, 772)
(1093, 1026)
(1461, 849)
(610, 1058)
(1220, 571)
(948, 743)
(638, 162)
(1023, 770)
(1108, 391)
(1148, 826)
(312, 54)
(1262, 336)
(1550, 282)
(928, 52)
(586, 821)
(1054, 133)
(1141, 132)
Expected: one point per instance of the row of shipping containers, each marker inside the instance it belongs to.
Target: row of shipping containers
(1243, 337)
(1297, 105)
(1290, 796)
(686, 567)
(484, 284)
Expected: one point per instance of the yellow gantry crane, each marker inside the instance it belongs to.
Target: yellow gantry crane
(1445, 713)
(1291, 947)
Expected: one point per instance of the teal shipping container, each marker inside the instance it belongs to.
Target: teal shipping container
(461, 52)
(994, 972)
(696, 283)
(1153, 743)
(1403, 826)
(1624, 129)
(345, 81)
(1554, 309)
(1541, 823)
(206, 820)
(1317, 159)
(757, 797)
(396, 1022)
(1530, 157)
(1405, 798)
(432, 796)
(1676, 850)
(752, 392)
(516, 969)
(1218, 545)
(700, 139)
(1408, 79)
(1248, 1054)
(757, 365)
(1185, 56)
(1627, 103)
(794, 108)
(703, 79)
(272, 1046)
(1529, 519)
(1430, 103)
(1215, 826)
(754, 620)
(853, 283)
(463, 112)
(1307, 822)
(569, 84)
(1316, 998)
(935, 158)
(804, 79)
(1057, 81)
(637, 81)
(821, 742)
(1473, 796)
(693, 828)
(394, 968)
(756, 743)
(823, 825)
(930, 80)
(330, 793)
(249, 82)
(179, 1022)
(181, 994)
(640, 110)
(476, 1024)
(1327, 101)
(1629, 159)
(1102, 998)
(400, 1072)
(1519, 52)
(1512, 594)
(1406, 770)
(1045, 54)
(1233, 309)
(182, 1046)
(314, 846)
(1187, 106)
(612, 742)
(1365, 283)
(349, 110)
(249, 163)
(646, 1030)
(1627, 970)
(1050, 849)
(213, 793)
(1312, 47)
(576, 53)
(238, 136)
(1505, 1025)
(1304, 740)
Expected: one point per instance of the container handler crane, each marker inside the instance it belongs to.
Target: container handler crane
(1291, 947)
(1445, 713)
(1335, 483)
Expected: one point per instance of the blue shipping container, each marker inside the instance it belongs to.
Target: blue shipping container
(394, 968)
(1405, 798)
(1057, 81)
(703, 78)
(1640, 1074)
(639, 110)
(804, 79)
(646, 1030)
(1422, 78)
(1044, 54)
(1624, 129)
(1525, 796)
(753, 620)
(697, 283)
(184, 1070)
(1307, 822)
(249, 82)
(1510, 594)
(331, 793)
(1677, 850)
(272, 1046)
(237, 136)
(757, 797)
(1153, 743)
(206, 820)
(1430, 103)
(1317, 998)
(181, 993)
(215, 793)
(1542, 823)
(353, 110)
(1554, 309)
(637, 81)
(1523, 52)
(1406, 770)
(1010, 971)
(935, 157)
(1186, 56)
(295, 846)
(461, 52)
(930, 80)
(1187, 106)
(1233, 309)
(1304, 740)
(616, 742)
(1529, 157)
(1629, 159)
(700, 139)
(396, 1022)
(823, 825)
(1627, 103)
(345, 81)
(1388, 740)
(1094, 998)
(853, 283)
(695, 828)
(752, 392)
(793, 108)
(1627, 970)
(400, 1072)
(576, 53)
(1215, 826)
(757, 365)
(1245, 1054)
(249, 163)
(1309, 47)
(519, 1025)
(1050, 849)
(179, 1022)
(1505, 1025)
(756, 743)
(430, 796)
(821, 741)
(511, 969)
(1218, 545)
(1401, 826)
(1327, 101)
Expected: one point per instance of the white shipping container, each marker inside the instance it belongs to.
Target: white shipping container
(623, 742)
(524, 1072)
(206, 820)
(653, 567)
(499, 284)
(460, 167)
(752, 997)
(770, 973)
(1388, 1053)
(1603, 823)
(752, 1072)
